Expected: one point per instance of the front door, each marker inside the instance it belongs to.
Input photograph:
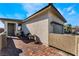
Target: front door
(11, 29)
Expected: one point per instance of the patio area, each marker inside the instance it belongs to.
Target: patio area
(24, 47)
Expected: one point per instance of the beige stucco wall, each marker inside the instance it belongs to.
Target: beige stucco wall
(53, 17)
(3, 41)
(68, 43)
(38, 26)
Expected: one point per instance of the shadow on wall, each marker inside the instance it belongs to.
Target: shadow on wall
(25, 29)
(35, 19)
(37, 39)
(11, 49)
(33, 37)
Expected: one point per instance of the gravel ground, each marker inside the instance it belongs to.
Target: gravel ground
(18, 47)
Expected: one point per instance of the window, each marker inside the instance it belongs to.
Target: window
(57, 28)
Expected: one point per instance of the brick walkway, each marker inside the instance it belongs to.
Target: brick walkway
(17, 47)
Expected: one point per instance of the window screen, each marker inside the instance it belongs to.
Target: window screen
(57, 28)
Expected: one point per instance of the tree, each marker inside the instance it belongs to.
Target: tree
(68, 28)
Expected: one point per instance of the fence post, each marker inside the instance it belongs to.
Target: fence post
(76, 45)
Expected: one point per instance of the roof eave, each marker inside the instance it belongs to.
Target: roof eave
(8, 19)
(59, 14)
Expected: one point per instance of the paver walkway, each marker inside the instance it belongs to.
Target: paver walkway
(18, 47)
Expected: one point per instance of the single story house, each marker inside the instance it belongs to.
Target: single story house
(42, 23)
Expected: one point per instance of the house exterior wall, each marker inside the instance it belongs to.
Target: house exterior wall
(53, 18)
(38, 26)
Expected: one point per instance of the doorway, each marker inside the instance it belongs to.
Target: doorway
(11, 29)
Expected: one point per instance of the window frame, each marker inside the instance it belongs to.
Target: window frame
(60, 25)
